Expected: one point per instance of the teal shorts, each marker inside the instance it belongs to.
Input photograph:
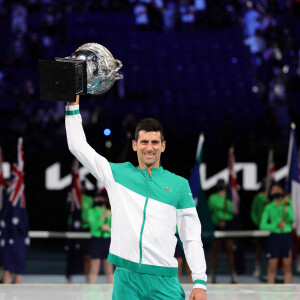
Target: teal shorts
(129, 285)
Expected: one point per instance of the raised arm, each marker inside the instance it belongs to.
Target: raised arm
(97, 165)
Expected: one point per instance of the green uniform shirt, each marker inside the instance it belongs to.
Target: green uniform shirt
(273, 214)
(96, 222)
(86, 203)
(218, 211)
(257, 208)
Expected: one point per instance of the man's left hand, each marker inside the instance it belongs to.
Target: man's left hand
(198, 294)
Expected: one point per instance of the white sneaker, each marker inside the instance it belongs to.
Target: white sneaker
(234, 278)
(256, 272)
(211, 279)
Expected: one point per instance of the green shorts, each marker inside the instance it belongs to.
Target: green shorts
(129, 285)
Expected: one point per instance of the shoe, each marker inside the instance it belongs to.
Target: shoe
(234, 278)
(256, 272)
(211, 279)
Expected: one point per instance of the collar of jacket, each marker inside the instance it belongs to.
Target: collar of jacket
(154, 171)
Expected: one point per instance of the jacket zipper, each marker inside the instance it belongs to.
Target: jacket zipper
(142, 229)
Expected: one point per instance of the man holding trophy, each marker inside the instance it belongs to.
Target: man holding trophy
(147, 202)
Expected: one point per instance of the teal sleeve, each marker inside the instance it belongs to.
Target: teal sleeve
(186, 200)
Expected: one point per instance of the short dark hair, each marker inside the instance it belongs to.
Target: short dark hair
(277, 184)
(149, 124)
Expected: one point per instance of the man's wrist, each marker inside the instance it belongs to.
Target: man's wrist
(199, 284)
(72, 110)
(74, 103)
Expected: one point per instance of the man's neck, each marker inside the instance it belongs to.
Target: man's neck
(149, 168)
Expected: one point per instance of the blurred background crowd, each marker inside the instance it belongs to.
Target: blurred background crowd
(229, 67)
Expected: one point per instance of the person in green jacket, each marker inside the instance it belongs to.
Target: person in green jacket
(87, 202)
(278, 217)
(221, 210)
(259, 202)
(99, 219)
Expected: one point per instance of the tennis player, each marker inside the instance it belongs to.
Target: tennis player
(147, 202)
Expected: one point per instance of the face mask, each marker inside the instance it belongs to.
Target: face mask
(99, 203)
(220, 188)
(276, 196)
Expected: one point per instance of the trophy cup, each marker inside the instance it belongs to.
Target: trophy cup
(91, 69)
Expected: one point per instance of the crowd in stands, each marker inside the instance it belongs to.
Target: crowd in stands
(268, 28)
(275, 55)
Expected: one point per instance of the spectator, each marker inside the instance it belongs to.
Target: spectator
(86, 204)
(99, 219)
(187, 15)
(221, 210)
(258, 204)
(257, 45)
(169, 16)
(19, 19)
(278, 217)
(251, 19)
(140, 11)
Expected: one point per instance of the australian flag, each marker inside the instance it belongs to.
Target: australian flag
(14, 222)
(74, 246)
(292, 184)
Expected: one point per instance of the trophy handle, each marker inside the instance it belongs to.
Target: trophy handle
(114, 73)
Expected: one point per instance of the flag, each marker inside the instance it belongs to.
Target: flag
(1, 180)
(232, 193)
(270, 172)
(199, 195)
(75, 198)
(16, 188)
(14, 220)
(292, 184)
(74, 247)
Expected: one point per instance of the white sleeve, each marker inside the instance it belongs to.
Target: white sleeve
(189, 229)
(97, 165)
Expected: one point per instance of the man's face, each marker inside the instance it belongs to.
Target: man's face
(149, 148)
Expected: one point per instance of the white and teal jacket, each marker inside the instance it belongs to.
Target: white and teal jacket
(145, 211)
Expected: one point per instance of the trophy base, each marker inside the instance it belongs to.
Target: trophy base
(62, 79)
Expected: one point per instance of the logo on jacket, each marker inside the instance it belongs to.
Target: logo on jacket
(167, 189)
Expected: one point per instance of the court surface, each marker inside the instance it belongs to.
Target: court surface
(103, 292)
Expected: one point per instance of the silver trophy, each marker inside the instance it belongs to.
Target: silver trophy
(90, 69)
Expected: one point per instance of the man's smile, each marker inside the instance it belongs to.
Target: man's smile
(149, 155)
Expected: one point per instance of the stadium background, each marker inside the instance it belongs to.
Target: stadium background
(194, 77)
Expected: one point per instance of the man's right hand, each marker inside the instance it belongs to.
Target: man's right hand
(74, 103)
